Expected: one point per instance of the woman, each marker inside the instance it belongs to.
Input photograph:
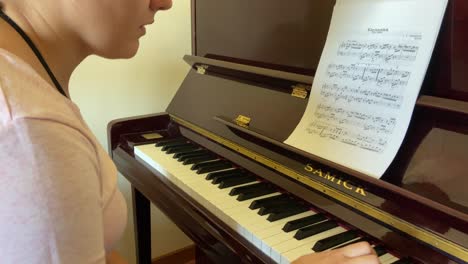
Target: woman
(60, 203)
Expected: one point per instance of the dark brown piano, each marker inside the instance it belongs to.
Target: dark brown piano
(255, 60)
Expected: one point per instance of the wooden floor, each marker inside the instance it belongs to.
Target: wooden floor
(183, 256)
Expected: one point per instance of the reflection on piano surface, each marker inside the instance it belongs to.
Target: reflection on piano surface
(245, 197)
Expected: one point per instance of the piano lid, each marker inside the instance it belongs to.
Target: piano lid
(428, 175)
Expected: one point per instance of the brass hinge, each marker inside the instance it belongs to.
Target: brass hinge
(243, 121)
(300, 90)
(201, 69)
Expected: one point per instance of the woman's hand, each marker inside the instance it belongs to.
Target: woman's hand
(359, 253)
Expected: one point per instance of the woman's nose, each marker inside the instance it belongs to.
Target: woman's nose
(156, 5)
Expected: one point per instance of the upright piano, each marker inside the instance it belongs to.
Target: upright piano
(216, 165)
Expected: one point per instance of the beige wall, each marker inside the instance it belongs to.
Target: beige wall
(110, 89)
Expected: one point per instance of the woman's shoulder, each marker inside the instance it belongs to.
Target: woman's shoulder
(24, 94)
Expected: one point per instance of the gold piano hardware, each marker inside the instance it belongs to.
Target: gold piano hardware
(423, 235)
(331, 178)
(201, 69)
(243, 121)
(300, 90)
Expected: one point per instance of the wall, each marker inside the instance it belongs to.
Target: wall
(111, 89)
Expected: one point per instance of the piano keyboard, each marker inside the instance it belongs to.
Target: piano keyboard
(275, 222)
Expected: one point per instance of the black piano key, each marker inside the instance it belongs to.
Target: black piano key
(258, 193)
(353, 242)
(214, 168)
(234, 181)
(175, 150)
(277, 207)
(380, 250)
(175, 145)
(315, 229)
(403, 261)
(249, 188)
(335, 240)
(218, 179)
(169, 141)
(260, 202)
(199, 159)
(303, 222)
(222, 165)
(287, 213)
(198, 153)
(278, 204)
(213, 175)
(204, 164)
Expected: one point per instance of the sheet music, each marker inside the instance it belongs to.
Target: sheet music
(367, 82)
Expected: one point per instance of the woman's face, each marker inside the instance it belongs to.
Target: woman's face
(111, 28)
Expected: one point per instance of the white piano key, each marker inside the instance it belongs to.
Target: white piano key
(246, 216)
(291, 255)
(279, 249)
(387, 258)
(276, 239)
(273, 227)
(279, 224)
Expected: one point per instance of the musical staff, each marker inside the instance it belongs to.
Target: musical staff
(378, 52)
(348, 94)
(383, 77)
(356, 128)
(341, 134)
(357, 119)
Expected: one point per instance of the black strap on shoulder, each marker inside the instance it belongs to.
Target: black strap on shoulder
(34, 49)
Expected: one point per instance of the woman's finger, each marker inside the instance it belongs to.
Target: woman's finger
(367, 259)
(356, 250)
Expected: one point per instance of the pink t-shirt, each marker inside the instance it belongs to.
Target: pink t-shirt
(59, 201)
